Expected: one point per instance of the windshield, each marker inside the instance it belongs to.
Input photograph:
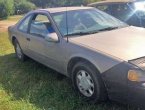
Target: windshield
(138, 8)
(85, 21)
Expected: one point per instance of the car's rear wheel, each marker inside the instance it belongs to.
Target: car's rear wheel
(87, 80)
(19, 53)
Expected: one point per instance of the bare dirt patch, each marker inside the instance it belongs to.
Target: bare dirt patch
(4, 24)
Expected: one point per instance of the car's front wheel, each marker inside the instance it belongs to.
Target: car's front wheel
(88, 82)
(19, 53)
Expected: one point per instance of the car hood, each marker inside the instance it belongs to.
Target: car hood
(125, 43)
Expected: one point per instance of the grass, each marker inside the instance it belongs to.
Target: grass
(14, 18)
(32, 86)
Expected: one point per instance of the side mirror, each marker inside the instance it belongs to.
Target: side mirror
(52, 37)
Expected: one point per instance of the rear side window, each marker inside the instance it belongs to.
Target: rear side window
(25, 24)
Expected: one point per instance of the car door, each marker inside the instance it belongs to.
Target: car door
(36, 37)
(41, 47)
(54, 49)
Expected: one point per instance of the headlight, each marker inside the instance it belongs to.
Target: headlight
(139, 5)
(136, 75)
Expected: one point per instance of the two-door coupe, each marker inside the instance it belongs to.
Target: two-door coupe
(104, 57)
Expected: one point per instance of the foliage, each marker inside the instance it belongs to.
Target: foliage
(56, 3)
(23, 6)
(6, 8)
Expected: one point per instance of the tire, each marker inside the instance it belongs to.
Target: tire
(88, 82)
(18, 51)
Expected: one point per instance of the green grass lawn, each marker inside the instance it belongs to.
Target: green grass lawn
(32, 86)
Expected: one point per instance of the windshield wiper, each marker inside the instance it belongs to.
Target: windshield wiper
(104, 29)
(91, 32)
(78, 33)
(108, 29)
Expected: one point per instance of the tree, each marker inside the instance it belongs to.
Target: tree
(40, 3)
(6, 8)
(58, 3)
(24, 7)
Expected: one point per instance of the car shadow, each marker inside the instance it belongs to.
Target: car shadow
(44, 87)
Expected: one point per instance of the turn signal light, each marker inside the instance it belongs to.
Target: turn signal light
(133, 75)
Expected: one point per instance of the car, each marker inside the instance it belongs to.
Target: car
(103, 57)
(131, 12)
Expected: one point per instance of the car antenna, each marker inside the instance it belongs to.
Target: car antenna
(67, 23)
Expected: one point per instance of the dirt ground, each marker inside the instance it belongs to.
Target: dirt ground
(4, 24)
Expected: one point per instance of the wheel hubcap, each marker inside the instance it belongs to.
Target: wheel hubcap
(19, 52)
(85, 83)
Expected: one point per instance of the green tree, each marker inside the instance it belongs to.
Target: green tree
(24, 7)
(40, 3)
(58, 3)
(6, 8)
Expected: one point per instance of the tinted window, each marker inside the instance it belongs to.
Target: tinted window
(24, 25)
(106, 8)
(139, 7)
(122, 11)
(41, 26)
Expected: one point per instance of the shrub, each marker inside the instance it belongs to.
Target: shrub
(6, 8)
(24, 7)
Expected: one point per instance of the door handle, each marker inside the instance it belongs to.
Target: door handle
(28, 39)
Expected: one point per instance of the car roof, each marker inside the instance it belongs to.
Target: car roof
(61, 9)
(113, 1)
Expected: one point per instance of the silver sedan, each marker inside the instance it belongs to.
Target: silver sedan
(104, 57)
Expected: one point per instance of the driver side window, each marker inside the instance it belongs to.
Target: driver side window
(41, 26)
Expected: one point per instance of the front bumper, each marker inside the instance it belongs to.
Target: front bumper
(136, 95)
(120, 89)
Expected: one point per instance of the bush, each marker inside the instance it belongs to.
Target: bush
(6, 8)
(24, 7)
